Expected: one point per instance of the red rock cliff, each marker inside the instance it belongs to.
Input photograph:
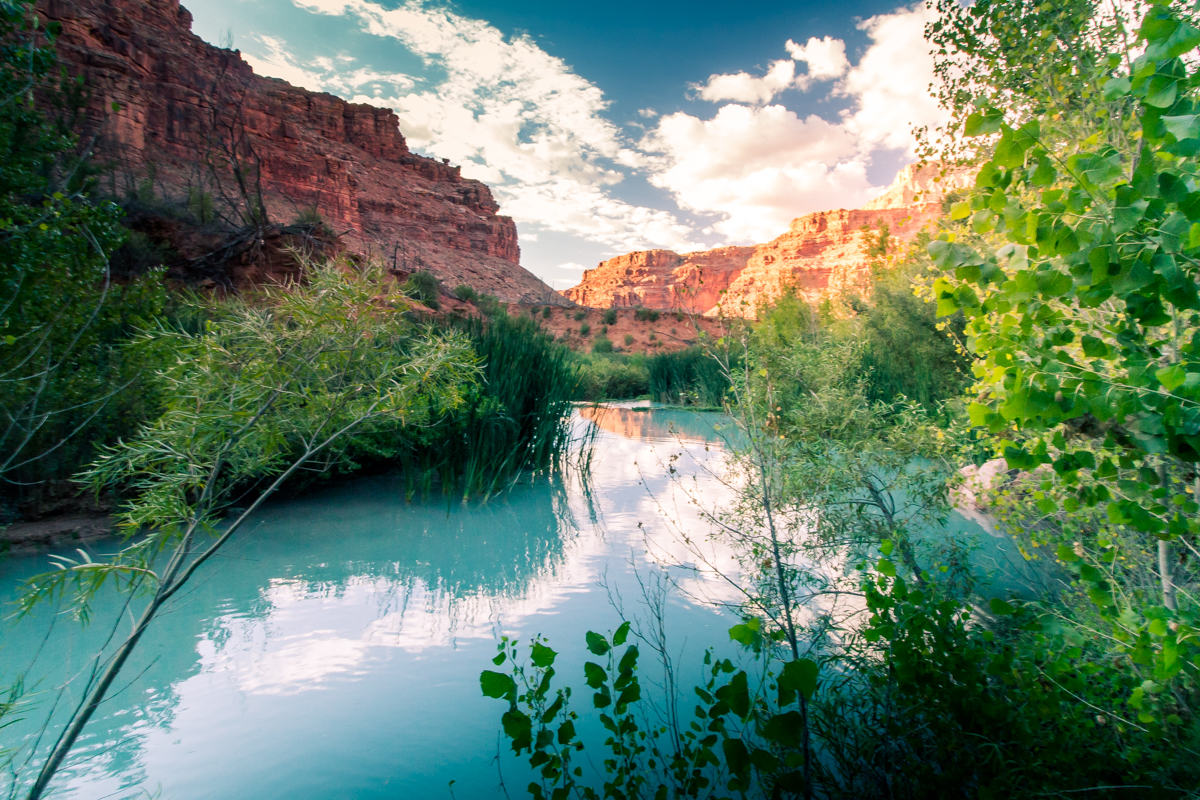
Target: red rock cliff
(184, 106)
(820, 252)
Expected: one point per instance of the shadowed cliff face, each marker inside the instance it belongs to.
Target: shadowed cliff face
(820, 252)
(188, 114)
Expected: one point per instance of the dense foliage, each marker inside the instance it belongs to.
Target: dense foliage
(1067, 282)
(69, 382)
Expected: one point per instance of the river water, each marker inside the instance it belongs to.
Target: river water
(334, 650)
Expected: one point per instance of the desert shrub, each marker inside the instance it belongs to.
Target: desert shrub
(546, 312)
(584, 329)
(579, 316)
(465, 293)
(602, 344)
(610, 316)
(628, 339)
(425, 288)
(646, 315)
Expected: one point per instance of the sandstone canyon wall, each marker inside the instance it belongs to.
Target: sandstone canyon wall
(819, 253)
(182, 105)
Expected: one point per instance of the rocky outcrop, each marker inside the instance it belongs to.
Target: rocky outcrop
(179, 118)
(820, 253)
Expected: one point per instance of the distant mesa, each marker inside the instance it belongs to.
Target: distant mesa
(182, 105)
(820, 253)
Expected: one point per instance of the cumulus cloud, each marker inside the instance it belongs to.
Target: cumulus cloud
(743, 87)
(890, 83)
(508, 112)
(760, 166)
(826, 59)
(757, 166)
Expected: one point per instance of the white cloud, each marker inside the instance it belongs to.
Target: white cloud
(742, 87)
(760, 166)
(509, 113)
(890, 84)
(572, 266)
(826, 59)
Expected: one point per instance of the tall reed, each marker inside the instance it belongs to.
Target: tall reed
(687, 377)
(516, 420)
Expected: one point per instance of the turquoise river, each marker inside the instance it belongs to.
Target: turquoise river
(334, 650)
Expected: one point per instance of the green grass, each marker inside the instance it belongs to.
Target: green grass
(687, 377)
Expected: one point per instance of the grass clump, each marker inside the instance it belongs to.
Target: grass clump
(425, 288)
(687, 377)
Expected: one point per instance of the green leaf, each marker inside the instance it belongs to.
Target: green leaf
(886, 567)
(747, 633)
(798, 676)
(496, 684)
(1171, 377)
(886, 546)
(621, 634)
(1000, 607)
(960, 211)
(1066, 554)
(1186, 126)
(594, 674)
(1116, 88)
(597, 644)
(1161, 91)
(542, 656)
(982, 124)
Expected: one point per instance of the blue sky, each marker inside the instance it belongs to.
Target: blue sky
(609, 127)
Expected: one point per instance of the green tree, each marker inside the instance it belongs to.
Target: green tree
(1076, 269)
(66, 380)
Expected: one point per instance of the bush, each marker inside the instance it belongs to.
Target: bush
(628, 339)
(466, 293)
(610, 317)
(602, 344)
(490, 306)
(584, 329)
(546, 312)
(425, 288)
(646, 315)
(611, 376)
(579, 316)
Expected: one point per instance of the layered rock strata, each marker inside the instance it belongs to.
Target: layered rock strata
(820, 253)
(180, 119)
